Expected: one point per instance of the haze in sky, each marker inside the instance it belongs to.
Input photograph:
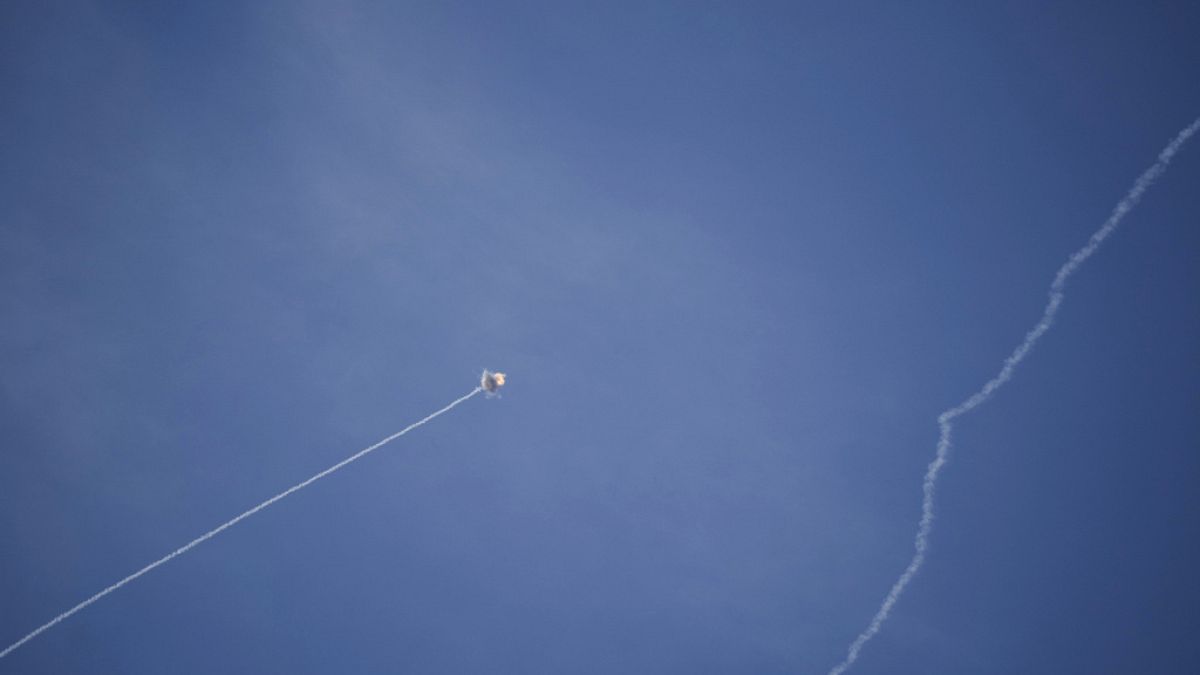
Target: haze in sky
(736, 261)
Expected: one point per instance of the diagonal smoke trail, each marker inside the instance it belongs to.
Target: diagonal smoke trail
(228, 524)
(921, 541)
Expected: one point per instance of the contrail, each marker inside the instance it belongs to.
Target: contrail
(921, 542)
(228, 524)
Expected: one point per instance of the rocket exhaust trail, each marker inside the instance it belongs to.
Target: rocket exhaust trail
(1056, 296)
(228, 524)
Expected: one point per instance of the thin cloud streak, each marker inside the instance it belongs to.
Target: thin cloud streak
(1056, 296)
(228, 524)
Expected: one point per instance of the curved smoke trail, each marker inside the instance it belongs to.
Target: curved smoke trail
(228, 524)
(921, 541)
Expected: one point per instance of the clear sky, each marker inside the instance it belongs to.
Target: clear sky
(736, 258)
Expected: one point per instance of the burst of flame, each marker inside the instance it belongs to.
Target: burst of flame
(491, 381)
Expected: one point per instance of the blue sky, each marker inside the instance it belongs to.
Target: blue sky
(736, 259)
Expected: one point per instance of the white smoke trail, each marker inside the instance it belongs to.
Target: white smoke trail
(228, 524)
(921, 542)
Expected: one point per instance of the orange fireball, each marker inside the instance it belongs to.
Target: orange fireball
(491, 381)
